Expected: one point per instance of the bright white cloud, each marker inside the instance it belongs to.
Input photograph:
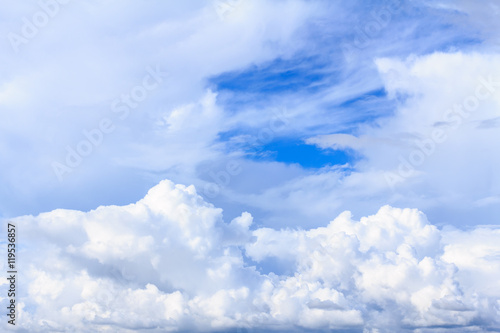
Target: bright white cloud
(169, 262)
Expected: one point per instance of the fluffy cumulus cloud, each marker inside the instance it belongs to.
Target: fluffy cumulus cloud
(171, 263)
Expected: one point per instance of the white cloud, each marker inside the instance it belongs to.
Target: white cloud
(170, 262)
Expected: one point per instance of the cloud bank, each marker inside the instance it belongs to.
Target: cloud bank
(171, 263)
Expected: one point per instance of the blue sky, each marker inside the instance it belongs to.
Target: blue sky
(242, 129)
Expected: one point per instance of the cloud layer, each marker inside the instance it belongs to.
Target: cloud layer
(170, 263)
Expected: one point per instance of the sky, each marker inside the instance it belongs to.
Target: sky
(251, 165)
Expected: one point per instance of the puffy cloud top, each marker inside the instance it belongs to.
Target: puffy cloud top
(170, 263)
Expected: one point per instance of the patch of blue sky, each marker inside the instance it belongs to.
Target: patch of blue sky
(363, 109)
(287, 150)
(228, 135)
(293, 151)
(365, 98)
(307, 77)
(300, 73)
(459, 43)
